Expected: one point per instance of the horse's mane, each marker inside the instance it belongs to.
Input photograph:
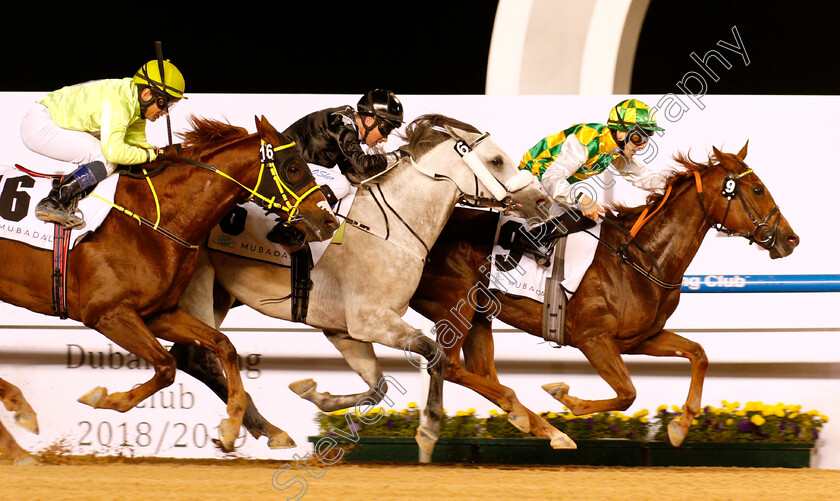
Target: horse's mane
(427, 131)
(205, 130)
(675, 179)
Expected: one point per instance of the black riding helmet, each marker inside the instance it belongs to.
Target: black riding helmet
(382, 104)
(385, 107)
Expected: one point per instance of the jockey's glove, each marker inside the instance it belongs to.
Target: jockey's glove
(395, 156)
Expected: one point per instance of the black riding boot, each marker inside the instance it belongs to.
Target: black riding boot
(57, 207)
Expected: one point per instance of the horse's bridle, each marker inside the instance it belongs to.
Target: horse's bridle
(730, 191)
(481, 174)
(266, 162)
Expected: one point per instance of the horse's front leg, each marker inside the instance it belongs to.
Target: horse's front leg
(480, 376)
(360, 356)
(123, 326)
(669, 344)
(181, 327)
(203, 365)
(371, 324)
(605, 357)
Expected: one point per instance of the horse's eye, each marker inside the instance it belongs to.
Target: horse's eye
(758, 190)
(497, 161)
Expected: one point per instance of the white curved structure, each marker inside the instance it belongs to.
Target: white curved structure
(564, 46)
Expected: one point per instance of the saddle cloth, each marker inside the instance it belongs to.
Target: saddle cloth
(243, 233)
(20, 193)
(520, 275)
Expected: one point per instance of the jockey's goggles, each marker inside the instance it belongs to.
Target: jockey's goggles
(386, 128)
(638, 136)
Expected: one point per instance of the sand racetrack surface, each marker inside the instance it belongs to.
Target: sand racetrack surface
(160, 479)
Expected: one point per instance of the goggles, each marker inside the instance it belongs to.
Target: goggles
(638, 136)
(386, 128)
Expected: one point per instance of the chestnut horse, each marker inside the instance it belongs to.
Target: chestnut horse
(616, 309)
(124, 280)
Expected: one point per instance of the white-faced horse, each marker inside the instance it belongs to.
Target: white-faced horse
(361, 288)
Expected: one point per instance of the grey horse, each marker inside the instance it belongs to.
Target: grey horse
(361, 289)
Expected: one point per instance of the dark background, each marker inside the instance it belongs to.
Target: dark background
(429, 47)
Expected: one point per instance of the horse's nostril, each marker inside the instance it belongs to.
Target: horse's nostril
(541, 201)
(793, 239)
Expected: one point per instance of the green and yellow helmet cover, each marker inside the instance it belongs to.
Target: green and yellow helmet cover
(631, 113)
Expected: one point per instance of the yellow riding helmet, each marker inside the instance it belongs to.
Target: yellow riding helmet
(632, 113)
(172, 82)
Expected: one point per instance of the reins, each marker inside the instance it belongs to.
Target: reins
(267, 161)
(729, 192)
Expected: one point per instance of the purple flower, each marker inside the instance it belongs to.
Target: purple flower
(409, 418)
(390, 424)
(745, 426)
(614, 428)
(590, 422)
(330, 433)
(354, 427)
(815, 433)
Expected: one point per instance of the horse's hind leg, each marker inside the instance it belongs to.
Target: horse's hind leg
(480, 376)
(24, 416)
(181, 327)
(203, 365)
(605, 357)
(360, 357)
(125, 327)
(669, 344)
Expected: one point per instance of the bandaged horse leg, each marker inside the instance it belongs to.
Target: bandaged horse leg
(14, 401)
(369, 323)
(669, 344)
(480, 376)
(605, 357)
(360, 357)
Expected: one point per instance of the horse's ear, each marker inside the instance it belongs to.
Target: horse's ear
(743, 153)
(717, 154)
(454, 132)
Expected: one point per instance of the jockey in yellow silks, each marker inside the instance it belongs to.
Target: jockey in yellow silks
(585, 150)
(98, 125)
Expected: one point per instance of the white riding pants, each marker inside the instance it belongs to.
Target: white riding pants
(41, 135)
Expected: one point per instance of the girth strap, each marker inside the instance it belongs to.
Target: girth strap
(61, 245)
(301, 283)
(554, 301)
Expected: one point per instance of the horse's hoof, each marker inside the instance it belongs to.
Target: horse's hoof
(303, 387)
(425, 440)
(520, 421)
(94, 396)
(27, 420)
(562, 441)
(228, 433)
(676, 434)
(281, 440)
(556, 390)
(26, 460)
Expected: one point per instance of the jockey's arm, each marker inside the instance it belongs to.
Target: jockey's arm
(363, 165)
(571, 158)
(115, 134)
